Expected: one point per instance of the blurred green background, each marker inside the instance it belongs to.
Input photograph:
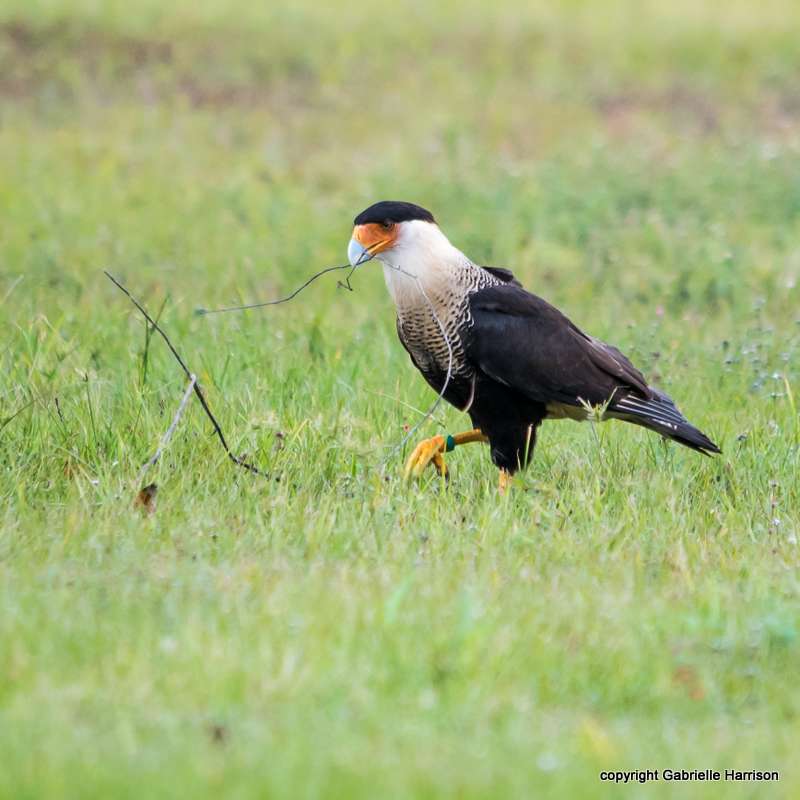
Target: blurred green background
(336, 632)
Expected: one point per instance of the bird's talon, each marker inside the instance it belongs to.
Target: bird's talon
(426, 452)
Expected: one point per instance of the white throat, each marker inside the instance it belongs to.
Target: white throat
(422, 260)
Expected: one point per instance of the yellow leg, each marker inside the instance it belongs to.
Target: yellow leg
(504, 484)
(432, 451)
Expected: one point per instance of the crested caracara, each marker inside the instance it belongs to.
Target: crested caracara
(513, 359)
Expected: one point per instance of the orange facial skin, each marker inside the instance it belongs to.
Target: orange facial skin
(375, 236)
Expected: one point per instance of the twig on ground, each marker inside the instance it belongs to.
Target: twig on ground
(148, 335)
(168, 435)
(195, 386)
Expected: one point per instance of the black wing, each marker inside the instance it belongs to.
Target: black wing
(522, 341)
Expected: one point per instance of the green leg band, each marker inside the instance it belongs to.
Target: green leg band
(449, 443)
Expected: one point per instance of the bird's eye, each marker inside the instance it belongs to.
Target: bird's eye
(387, 225)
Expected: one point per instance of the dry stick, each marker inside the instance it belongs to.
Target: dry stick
(346, 285)
(148, 335)
(196, 386)
(168, 435)
(202, 312)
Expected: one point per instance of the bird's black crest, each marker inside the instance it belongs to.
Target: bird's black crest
(393, 211)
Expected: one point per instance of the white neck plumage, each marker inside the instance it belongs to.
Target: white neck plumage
(421, 259)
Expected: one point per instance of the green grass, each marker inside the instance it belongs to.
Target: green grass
(337, 632)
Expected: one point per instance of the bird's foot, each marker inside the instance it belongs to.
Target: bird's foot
(428, 451)
(504, 483)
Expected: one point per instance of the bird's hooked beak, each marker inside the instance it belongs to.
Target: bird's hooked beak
(369, 240)
(357, 253)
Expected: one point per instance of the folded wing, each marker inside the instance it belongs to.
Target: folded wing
(521, 341)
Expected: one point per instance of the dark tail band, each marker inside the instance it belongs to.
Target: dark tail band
(661, 415)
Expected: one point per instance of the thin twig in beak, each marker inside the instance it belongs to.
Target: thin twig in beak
(201, 312)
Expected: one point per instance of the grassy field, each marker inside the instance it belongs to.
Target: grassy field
(333, 631)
